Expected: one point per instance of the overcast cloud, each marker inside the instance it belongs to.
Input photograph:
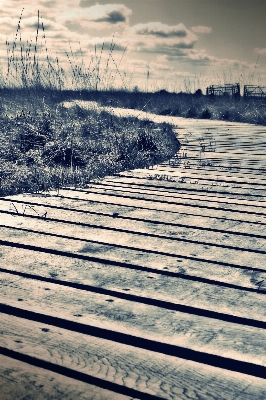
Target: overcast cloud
(178, 43)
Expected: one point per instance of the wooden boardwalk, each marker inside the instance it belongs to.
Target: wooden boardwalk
(147, 285)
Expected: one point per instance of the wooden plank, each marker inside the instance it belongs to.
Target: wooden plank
(134, 177)
(243, 205)
(75, 220)
(108, 276)
(250, 208)
(181, 330)
(145, 287)
(154, 177)
(195, 207)
(186, 176)
(123, 365)
(23, 230)
(156, 204)
(86, 210)
(174, 187)
(97, 279)
(246, 180)
(174, 194)
(20, 380)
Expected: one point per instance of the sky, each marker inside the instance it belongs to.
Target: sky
(178, 45)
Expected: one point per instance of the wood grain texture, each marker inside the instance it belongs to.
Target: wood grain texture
(152, 179)
(80, 239)
(156, 374)
(20, 381)
(208, 203)
(140, 283)
(123, 224)
(221, 338)
(74, 201)
(208, 200)
(118, 277)
(168, 206)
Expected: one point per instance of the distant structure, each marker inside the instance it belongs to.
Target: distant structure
(232, 90)
(255, 91)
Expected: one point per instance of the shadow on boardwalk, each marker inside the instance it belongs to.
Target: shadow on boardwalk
(149, 284)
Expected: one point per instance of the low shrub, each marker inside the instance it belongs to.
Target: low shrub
(175, 112)
(206, 114)
(191, 113)
(73, 145)
(225, 116)
(168, 111)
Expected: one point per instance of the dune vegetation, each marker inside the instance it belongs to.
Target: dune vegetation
(70, 146)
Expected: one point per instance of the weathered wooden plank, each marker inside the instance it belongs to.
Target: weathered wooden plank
(111, 254)
(20, 380)
(243, 205)
(250, 179)
(80, 237)
(197, 205)
(225, 148)
(208, 165)
(119, 277)
(118, 284)
(122, 187)
(175, 176)
(75, 220)
(179, 199)
(205, 169)
(154, 177)
(135, 320)
(134, 177)
(87, 210)
(157, 204)
(251, 207)
(173, 187)
(144, 286)
(146, 371)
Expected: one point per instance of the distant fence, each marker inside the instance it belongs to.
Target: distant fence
(233, 90)
(255, 91)
(224, 90)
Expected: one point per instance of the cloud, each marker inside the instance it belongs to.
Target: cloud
(152, 66)
(160, 30)
(174, 50)
(8, 24)
(201, 56)
(32, 23)
(160, 67)
(201, 29)
(106, 43)
(98, 17)
(162, 39)
(112, 17)
(182, 74)
(13, 9)
(261, 52)
(109, 13)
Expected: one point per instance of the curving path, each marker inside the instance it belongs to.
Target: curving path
(150, 284)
